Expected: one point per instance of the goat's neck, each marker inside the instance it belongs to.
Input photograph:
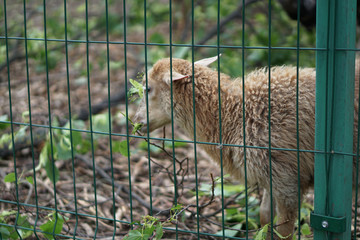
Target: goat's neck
(207, 111)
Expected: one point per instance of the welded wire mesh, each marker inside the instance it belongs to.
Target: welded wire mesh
(106, 184)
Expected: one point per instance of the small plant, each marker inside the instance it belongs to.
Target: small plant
(264, 231)
(137, 89)
(152, 227)
(53, 223)
(9, 232)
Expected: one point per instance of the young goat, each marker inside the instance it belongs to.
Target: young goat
(254, 118)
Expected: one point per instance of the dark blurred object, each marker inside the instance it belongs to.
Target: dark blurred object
(307, 11)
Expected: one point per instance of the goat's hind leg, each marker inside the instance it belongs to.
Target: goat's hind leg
(286, 214)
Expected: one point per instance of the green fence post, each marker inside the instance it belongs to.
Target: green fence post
(335, 33)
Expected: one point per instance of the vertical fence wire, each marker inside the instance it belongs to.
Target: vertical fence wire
(90, 117)
(297, 117)
(109, 113)
(269, 123)
(30, 122)
(220, 123)
(50, 120)
(11, 120)
(244, 120)
(127, 113)
(147, 103)
(194, 114)
(172, 113)
(70, 120)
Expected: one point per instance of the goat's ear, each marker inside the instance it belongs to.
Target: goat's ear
(175, 77)
(207, 61)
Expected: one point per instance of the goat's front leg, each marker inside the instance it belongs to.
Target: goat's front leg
(286, 216)
(265, 208)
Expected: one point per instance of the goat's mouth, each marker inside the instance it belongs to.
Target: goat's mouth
(145, 128)
(138, 127)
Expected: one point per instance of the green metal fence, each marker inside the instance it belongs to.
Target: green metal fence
(51, 150)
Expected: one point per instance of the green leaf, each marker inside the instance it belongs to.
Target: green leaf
(157, 38)
(4, 118)
(4, 231)
(176, 208)
(230, 232)
(7, 213)
(231, 211)
(137, 88)
(50, 170)
(44, 155)
(21, 133)
(181, 52)
(11, 233)
(134, 235)
(144, 146)
(4, 125)
(23, 222)
(5, 140)
(262, 233)
(176, 144)
(159, 231)
(25, 116)
(116, 65)
(148, 230)
(136, 127)
(281, 236)
(121, 147)
(63, 148)
(50, 226)
(10, 177)
(76, 138)
(84, 147)
(100, 124)
(30, 179)
(305, 229)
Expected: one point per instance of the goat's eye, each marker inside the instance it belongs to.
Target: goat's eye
(148, 89)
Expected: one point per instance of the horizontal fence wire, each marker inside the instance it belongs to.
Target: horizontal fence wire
(110, 134)
(179, 45)
(176, 140)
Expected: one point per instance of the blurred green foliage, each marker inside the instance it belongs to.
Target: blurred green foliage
(255, 36)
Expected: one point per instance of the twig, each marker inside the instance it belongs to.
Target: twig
(240, 230)
(31, 188)
(172, 157)
(226, 204)
(211, 200)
